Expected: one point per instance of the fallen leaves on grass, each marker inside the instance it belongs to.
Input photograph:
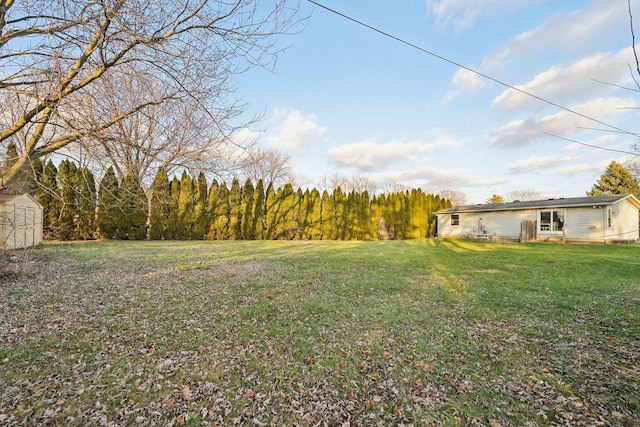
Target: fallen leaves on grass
(95, 342)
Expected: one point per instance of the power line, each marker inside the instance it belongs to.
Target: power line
(590, 145)
(479, 73)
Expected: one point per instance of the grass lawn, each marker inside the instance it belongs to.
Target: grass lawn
(424, 332)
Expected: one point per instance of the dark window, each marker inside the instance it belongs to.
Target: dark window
(455, 219)
(551, 220)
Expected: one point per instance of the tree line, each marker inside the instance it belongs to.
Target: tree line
(76, 207)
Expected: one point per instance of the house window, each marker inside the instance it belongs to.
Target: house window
(609, 218)
(455, 219)
(551, 220)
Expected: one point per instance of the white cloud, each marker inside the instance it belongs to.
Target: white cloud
(245, 136)
(463, 14)
(465, 81)
(564, 32)
(567, 33)
(574, 82)
(432, 179)
(602, 141)
(520, 133)
(583, 168)
(370, 155)
(536, 164)
(290, 129)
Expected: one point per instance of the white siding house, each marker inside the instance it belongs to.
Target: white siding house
(606, 219)
(20, 222)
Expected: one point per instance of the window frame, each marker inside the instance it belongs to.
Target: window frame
(455, 220)
(555, 216)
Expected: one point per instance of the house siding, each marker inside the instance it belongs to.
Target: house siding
(588, 223)
(502, 224)
(626, 219)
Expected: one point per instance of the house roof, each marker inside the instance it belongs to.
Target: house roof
(544, 204)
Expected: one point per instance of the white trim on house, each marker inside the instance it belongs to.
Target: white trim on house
(594, 218)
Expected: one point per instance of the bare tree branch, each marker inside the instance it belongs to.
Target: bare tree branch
(58, 66)
(457, 198)
(525, 194)
(269, 165)
(633, 44)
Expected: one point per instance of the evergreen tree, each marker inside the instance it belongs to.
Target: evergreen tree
(258, 211)
(394, 216)
(109, 214)
(160, 202)
(314, 218)
(351, 214)
(305, 215)
(38, 168)
(200, 223)
(433, 205)
(616, 179)
(279, 211)
(417, 214)
(212, 200)
(185, 208)
(69, 209)
(219, 229)
(376, 217)
(85, 186)
(235, 210)
(328, 217)
(495, 199)
(269, 209)
(49, 197)
(299, 217)
(246, 215)
(365, 223)
(340, 216)
(287, 225)
(402, 207)
(134, 208)
(27, 180)
(271, 212)
(172, 227)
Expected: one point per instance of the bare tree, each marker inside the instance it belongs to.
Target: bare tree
(395, 187)
(633, 164)
(457, 198)
(360, 184)
(356, 183)
(525, 194)
(333, 181)
(176, 134)
(269, 165)
(58, 66)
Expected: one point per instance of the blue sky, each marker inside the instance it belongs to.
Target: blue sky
(345, 99)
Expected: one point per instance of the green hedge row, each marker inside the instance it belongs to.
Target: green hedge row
(189, 208)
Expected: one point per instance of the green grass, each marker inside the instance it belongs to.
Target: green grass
(424, 332)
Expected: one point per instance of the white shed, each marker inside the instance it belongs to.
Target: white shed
(20, 222)
(605, 219)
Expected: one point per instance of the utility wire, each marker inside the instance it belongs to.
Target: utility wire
(590, 145)
(486, 76)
